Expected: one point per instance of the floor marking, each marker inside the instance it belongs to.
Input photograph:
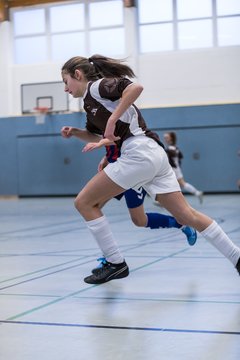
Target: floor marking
(44, 275)
(111, 327)
(41, 270)
(49, 303)
(153, 240)
(43, 227)
(83, 290)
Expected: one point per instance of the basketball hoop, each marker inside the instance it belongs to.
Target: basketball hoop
(40, 114)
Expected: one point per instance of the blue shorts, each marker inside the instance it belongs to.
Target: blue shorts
(134, 198)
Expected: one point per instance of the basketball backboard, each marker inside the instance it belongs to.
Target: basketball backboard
(49, 95)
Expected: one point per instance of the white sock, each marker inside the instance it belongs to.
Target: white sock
(102, 233)
(191, 189)
(221, 241)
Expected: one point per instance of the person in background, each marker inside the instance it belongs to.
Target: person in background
(175, 157)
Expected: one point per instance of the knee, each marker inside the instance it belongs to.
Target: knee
(80, 204)
(77, 203)
(138, 221)
(187, 217)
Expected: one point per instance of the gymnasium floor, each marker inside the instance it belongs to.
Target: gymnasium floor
(179, 302)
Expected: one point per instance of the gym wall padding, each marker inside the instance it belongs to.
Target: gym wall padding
(36, 161)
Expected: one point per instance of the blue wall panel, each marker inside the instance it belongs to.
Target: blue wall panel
(56, 166)
(8, 158)
(35, 160)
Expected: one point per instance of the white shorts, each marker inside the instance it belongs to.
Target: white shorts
(178, 172)
(143, 163)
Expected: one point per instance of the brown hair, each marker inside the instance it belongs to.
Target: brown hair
(173, 137)
(97, 67)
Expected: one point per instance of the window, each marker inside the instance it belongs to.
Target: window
(228, 22)
(228, 7)
(64, 46)
(106, 13)
(106, 32)
(29, 22)
(229, 31)
(193, 9)
(166, 25)
(155, 10)
(56, 32)
(102, 42)
(30, 42)
(67, 18)
(195, 34)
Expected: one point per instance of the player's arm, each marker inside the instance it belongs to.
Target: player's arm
(82, 134)
(129, 95)
(96, 145)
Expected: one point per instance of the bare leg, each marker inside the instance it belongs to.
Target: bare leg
(138, 216)
(89, 203)
(176, 204)
(95, 194)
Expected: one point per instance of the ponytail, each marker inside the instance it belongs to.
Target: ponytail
(97, 67)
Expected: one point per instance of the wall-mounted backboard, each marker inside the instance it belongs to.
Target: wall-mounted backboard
(49, 95)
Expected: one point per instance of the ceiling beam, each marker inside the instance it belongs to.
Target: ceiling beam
(5, 5)
(4, 10)
(21, 3)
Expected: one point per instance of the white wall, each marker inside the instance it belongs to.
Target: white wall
(190, 77)
(170, 79)
(5, 69)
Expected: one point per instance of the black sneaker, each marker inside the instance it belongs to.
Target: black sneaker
(238, 266)
(102, 261)
(108, 272)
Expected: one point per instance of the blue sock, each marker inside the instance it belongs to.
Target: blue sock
(156, 221)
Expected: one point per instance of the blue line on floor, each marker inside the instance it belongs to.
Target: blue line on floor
(85, 289)
(136, 328)
(44, 275)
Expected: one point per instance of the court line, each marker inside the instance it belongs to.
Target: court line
(112, 327)
(128, 248)
(27, 312)
(41, 270)
(44, 275)
(119, 298)
(220, 302)
(45, 227)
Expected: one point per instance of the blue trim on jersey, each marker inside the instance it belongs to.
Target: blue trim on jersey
(134, 198)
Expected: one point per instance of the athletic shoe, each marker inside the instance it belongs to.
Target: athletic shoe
(238, 266)
(103, 261)
(190, 233)
(108, 272)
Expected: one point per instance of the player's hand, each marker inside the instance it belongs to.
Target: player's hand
(91, 146)
(109, 131)
(67, 131)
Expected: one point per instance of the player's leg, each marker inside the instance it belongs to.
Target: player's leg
(135, 199)
(189, 188)
(177, 205)
(89, 202)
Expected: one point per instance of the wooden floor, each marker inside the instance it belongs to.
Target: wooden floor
(179, 302)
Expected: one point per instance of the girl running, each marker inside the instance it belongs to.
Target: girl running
(109, 95)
